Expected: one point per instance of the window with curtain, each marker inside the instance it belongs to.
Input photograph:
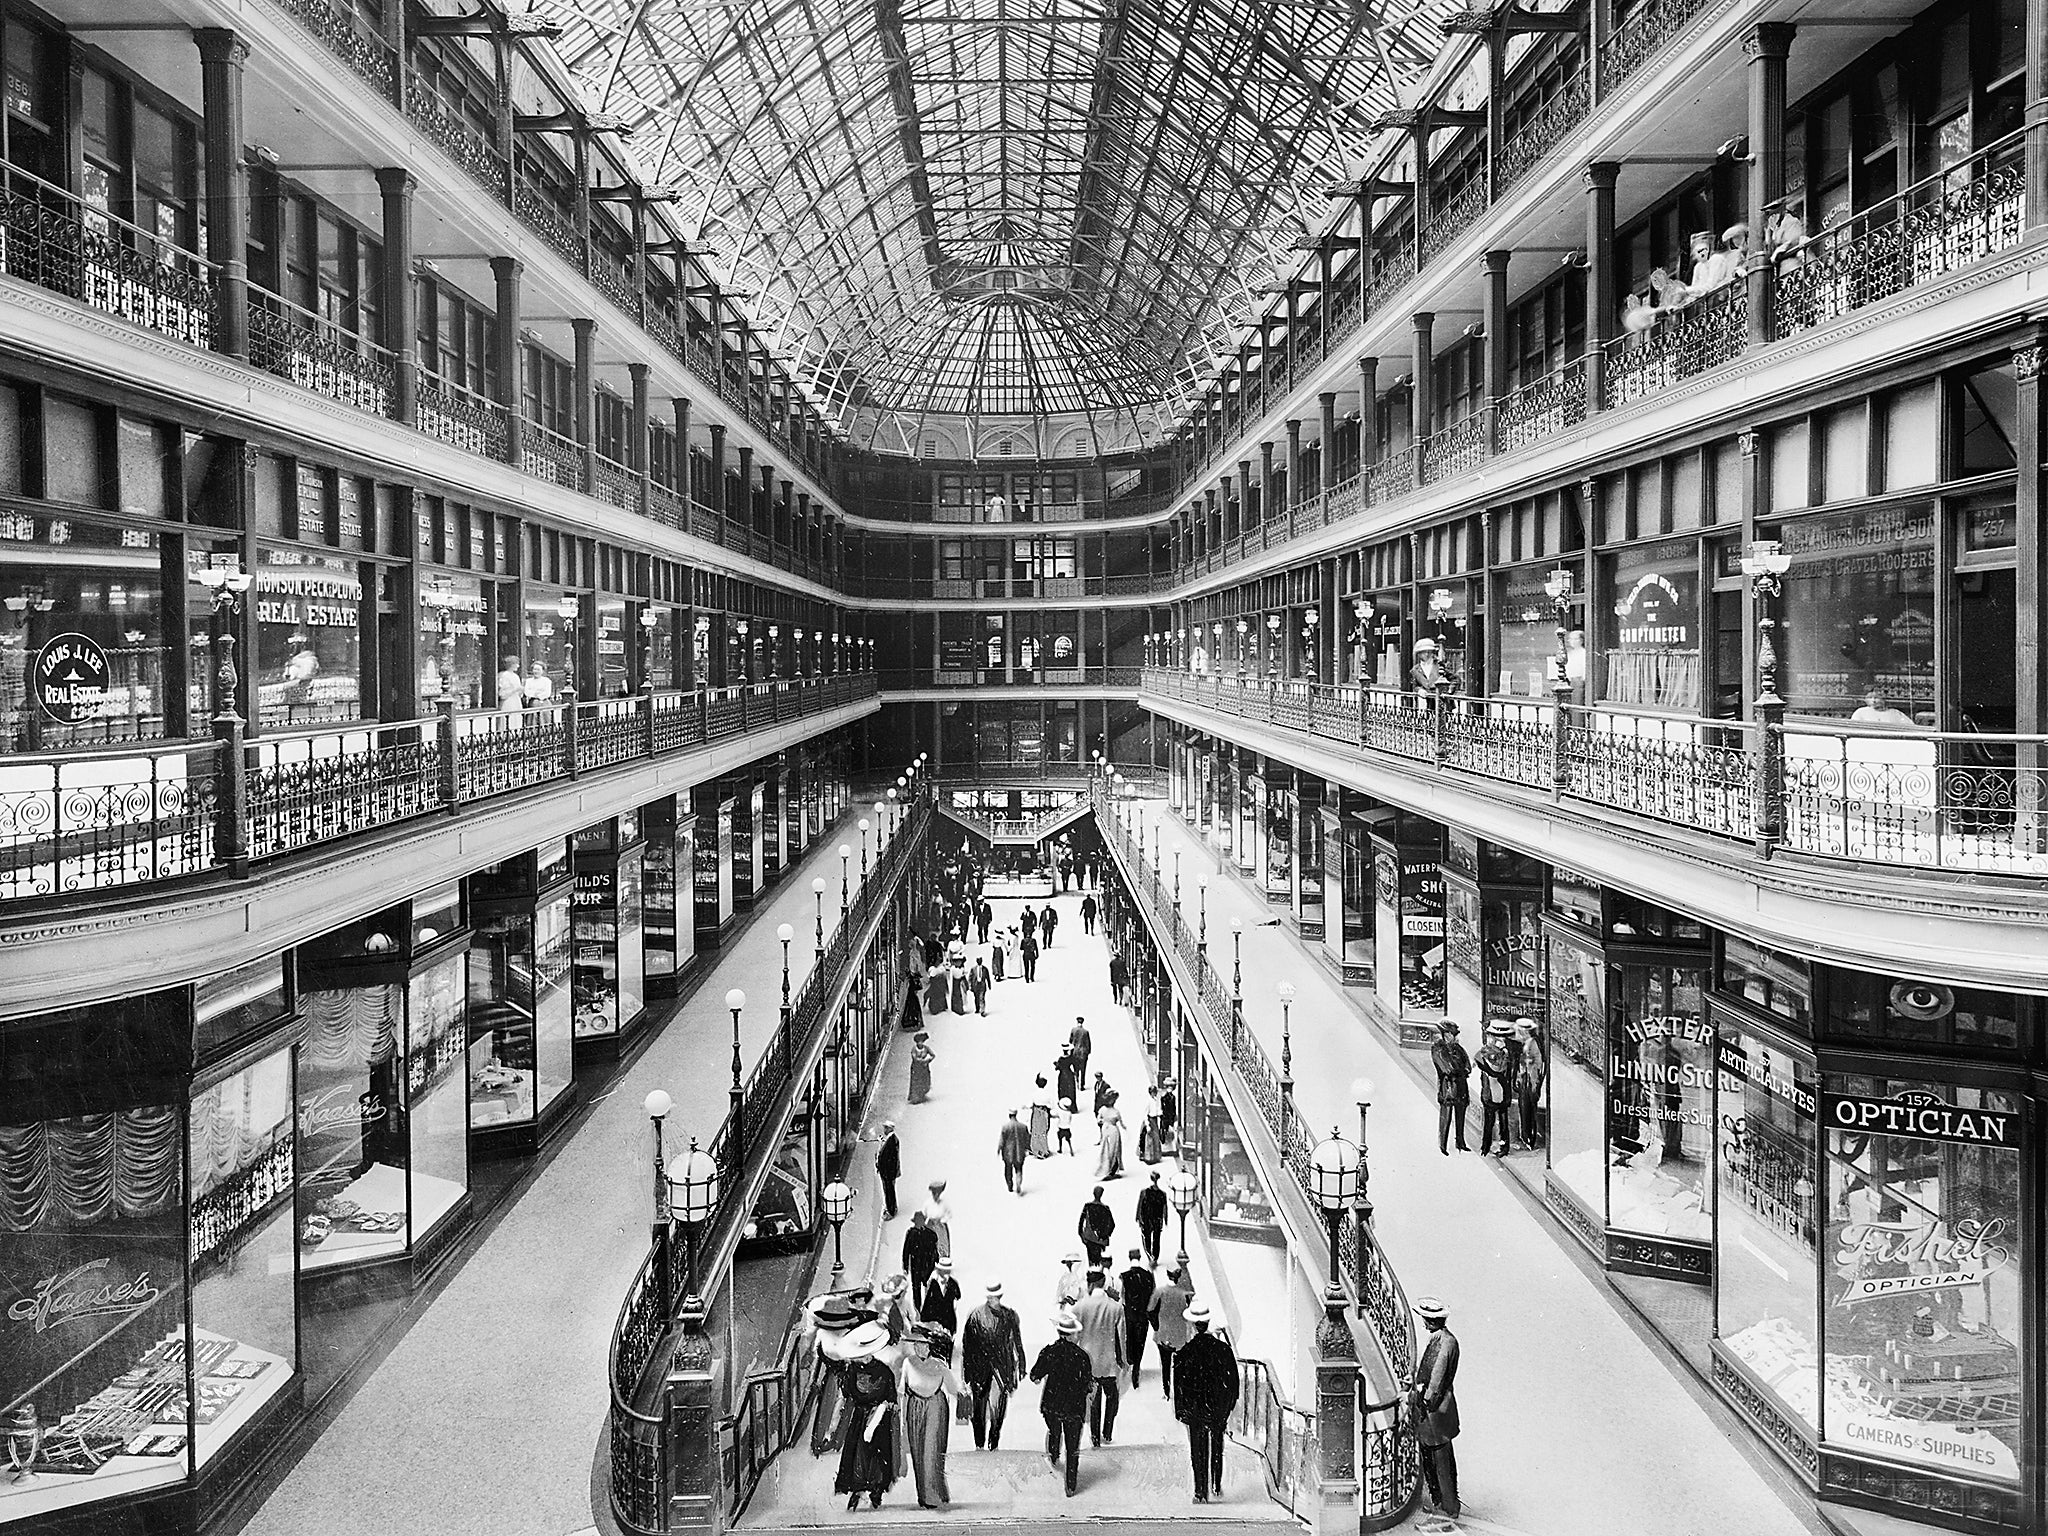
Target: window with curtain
(1651, 651)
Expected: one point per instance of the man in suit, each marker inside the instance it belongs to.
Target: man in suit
(1063, 1366)
(1013, 1145)
(1433, 1405)
(920, 1253)
(1170, 1328)
(1453, 1086)
(1096, 1227)
(1152, 1216)
(984, 917)
(889, 1165)
(1048, 920)
(992, 1360)
(1205, 1386)
(1138, 1288)
(1027, 951)
(1082, 1045)
(1102, 1336)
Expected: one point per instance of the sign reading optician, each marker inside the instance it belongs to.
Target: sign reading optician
(70, 679)
(1920, 1114)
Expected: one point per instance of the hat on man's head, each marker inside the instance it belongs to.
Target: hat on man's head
(1066, 1322)
(1500, 1028)
(1198, 1312)
(1449, 1025)
(1072, 1258)
(888, 1125)
(1425, 647)
(995, 1290)
(945, 1264)
(1431, 1310)
(1137, 1253)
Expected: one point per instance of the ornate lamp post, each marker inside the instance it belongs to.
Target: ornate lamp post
(1286, 990)
(1361, 1090)
(1182, 1189)
(1244, 630)
(845, 889)
(650, 621)
(1333, 1180)
(225, 582)
(746, 666)
(736, 1002)
(1273, 646)
(1309, 621)
(1202, 907)
(1765, 564)
(692, 1200)
(657, 1106)
(785, 933)
(863, 850)
(566, 609)
(1558, 587)
(818, 897)
(837, 1199)
(1236, 978)
(1176, 880)
(774, 645)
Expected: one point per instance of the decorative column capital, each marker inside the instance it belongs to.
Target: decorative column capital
(1601, 175)
(1768, 40)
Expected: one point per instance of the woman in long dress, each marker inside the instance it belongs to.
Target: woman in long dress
(1148, 1133)
(1041, 1122)
(871, 1459)
(921, 1058)
(1110, 1162)
(929, 1386)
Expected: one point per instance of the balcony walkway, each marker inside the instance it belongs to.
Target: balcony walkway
(984, 1067)
(1574, 1423)
(485, 1415)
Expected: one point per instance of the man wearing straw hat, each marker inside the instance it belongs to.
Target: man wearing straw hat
(1205, 1388)
(1433, 1405)
(1063, 1402)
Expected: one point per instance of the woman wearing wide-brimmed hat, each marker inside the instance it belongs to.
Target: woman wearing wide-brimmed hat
(872, 1458)
(930, 1387)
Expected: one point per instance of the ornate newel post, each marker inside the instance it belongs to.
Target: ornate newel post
(690, 1428)
(1336, 1420)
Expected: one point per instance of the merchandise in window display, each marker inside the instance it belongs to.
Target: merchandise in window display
(1422, 933)
(1923, 1288)
(308, 611)
(1660, 1105)
(1578, 1073)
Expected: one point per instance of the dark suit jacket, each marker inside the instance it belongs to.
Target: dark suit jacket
(1138, 1288)
(1432, 1399)
(1013, 1144)
(1097, 1224)
(1151, 1208)
(1204, 1380)
(889, 1160)
(920, 1249)
(1063, 1366)
(992, 1345)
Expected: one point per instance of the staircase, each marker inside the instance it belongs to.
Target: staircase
(1005, 832)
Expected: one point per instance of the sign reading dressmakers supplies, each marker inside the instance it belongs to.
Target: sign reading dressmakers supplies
(70, 678)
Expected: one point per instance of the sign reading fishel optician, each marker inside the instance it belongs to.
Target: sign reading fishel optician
(1920, 1114)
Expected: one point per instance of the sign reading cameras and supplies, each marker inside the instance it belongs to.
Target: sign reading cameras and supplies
(70, 679)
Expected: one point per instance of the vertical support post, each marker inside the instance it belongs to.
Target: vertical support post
(636, 432)
(1767, 48)
(506, 272)
(1496, 268)
(231, 797)
(1326, 460)
(221, 55)
(1600, 302)
(401, 295)
(586, 398)
(718, 473)
(1368, 414)
(2037, 114)
(444, 729)
(1422, 397)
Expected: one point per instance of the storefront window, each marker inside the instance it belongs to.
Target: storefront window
(308, 663)
(354, 1146)
(1511, 958)
(1526, 635)
(1765, 1251)
(546, 664)
(519, 1009)
(1924, 1012)
(1924, 1281)
(1237, 1203)
(1778, 984)
(612, 640)
(1280, 812)
(1312, 874)
(1858, 612)
(93, 1367)
(244, 1315)
(1356, 939)
(1660, 1104)
(1422, 931)
(1650, 652)
(437, 1087)
(455, 626)
(55, 694)
(1578, 1079)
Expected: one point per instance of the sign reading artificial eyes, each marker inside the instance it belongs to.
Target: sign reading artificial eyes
(70, 679)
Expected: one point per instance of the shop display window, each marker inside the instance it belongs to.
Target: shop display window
(609, 920)
(1923, 1275)
(112, 601)
(354, 1141)
(308, 662)
(1660, 1089)
(234, 1005)
(95, 1383)
(437, 1087)
(1858, 612)
(1778, 984)
(1766, 1243)
(549, 671)
(786, 1212)
(1313, 902)
(1578, 1073)
(244, 1278)
(1650, 643)
(1422, 931)
(1511, 958)
(1280, 813)
(1356, 890)
(456, 622)
(613, 681)
(1929, 1013)
(1238, 1206)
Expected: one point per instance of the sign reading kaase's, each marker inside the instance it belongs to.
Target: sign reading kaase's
(1921, 1114)
(70, 678)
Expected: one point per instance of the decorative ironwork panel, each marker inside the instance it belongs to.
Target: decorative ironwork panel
(453, 134)
(1646, 35)
(317, 799)
(677, 724)
(292, 345)
(614, 279)
(1392, 476)
(1971, 211)
(1509, 747)
(527, 749)
(1689, 782)
(1542, 131)
(1389, 278)
(666, 507)
(461, 419)
(609, 731)
(1391, 726)
(1969, 814)
(1337, 717)
(1450, 221)
(1392, 1462)
(1461, 447)
(48, 239)
(725, 716)
(92, 823)
(613, 482)
(552, 457)
(1704, 334)
(368, 57)
(538, 212)
(1542, 407)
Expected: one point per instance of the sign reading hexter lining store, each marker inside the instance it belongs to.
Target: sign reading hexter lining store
(69, 679)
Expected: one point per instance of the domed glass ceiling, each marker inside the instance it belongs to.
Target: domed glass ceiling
(997, 207)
